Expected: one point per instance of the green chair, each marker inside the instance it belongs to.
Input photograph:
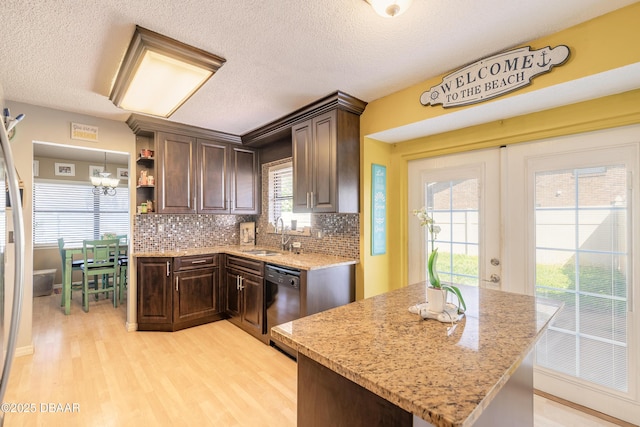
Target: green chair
(76, 265)
(123, 261)
(100, 262)
(123, 265)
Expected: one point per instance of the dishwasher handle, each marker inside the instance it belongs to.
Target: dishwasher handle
(283, 270)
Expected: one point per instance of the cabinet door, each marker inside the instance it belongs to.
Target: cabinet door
(253, 303)
(176, 167)
(212, 177)
(302, 149)
(154, 292)
(195, 294)
(232, 295)
(324, 174)
(245, 178)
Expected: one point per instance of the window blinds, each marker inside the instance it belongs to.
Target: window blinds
(281, 196)
(72, 211)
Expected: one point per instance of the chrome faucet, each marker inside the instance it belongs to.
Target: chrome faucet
(283, 241)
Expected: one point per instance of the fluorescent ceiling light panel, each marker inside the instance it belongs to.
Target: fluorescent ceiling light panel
(158, 74)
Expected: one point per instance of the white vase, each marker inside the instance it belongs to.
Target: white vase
(436, 299)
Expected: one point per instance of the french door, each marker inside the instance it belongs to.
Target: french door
(567, 231)
(462, 195)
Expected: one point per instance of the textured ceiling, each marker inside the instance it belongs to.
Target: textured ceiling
(281, 54)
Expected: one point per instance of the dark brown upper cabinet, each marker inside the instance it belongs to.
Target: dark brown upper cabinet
(213, 186)
(326, 163)
(228, 179)
(325, 137)
(245, 181)
(314, 164)
(176, 165)
(199, 170)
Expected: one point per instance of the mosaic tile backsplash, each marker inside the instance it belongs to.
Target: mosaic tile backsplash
(340, 233)
(174, 232)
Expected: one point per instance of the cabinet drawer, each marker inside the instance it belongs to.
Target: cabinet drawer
(195, 261)
(247, 265)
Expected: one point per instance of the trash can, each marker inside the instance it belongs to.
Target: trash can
(43, 282)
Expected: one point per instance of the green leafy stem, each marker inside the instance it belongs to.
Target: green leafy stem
(434, 279)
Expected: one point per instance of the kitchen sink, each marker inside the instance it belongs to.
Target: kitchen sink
(261, 252)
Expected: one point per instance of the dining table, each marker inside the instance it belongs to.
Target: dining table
(67, 272)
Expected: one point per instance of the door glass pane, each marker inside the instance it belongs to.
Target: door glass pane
(453, 205)
(582, 260)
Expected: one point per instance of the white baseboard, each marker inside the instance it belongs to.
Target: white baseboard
(131, 327)
(26, 350)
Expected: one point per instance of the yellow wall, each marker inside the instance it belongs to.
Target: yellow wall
(596, 46)
(377, 272)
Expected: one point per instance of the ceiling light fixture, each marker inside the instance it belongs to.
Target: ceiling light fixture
(158, 74)
(103, 184)
(390, 8)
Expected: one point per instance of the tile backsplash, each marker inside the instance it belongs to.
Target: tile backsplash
(340, 233)
(171, 232)
(331, 234)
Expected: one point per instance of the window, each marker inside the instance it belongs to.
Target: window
(72, 211)
(281, 197)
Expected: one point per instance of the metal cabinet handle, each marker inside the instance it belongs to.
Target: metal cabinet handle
(177, 289)
(199, 261)
(241, 283)
(237, 282)
(308, 207)
(168, 268)
(312, 200)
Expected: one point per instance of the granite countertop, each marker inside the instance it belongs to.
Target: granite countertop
(445, 374)
(303, 261)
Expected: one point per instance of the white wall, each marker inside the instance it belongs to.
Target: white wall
(49, 125)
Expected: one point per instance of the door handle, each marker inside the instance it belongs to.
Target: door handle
(168, 269)
(494, 278)
(312, 200)
(308, 207)
(241, 280)
(177, 289)
(199, 261)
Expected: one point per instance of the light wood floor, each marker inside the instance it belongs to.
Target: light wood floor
(213, 374)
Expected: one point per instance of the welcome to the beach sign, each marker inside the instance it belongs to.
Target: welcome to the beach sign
(494, 76)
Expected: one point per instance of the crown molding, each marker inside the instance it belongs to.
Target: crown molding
(281, 128)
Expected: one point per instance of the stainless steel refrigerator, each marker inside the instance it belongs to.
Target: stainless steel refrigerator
(9, 180)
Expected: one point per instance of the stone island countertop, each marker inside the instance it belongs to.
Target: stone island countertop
(442, 373)
(303, 261)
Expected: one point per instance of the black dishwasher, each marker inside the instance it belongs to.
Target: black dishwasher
(282, 299)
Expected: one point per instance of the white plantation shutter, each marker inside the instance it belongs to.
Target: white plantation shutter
(281, 196)
(70, 210)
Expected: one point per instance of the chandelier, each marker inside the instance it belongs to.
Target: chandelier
(103, 184)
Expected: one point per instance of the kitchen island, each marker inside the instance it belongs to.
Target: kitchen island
(372, 362)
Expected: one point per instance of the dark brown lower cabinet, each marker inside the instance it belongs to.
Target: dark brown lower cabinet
(326, 398)
(244, 285)
(177, 293)
(155, 296)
